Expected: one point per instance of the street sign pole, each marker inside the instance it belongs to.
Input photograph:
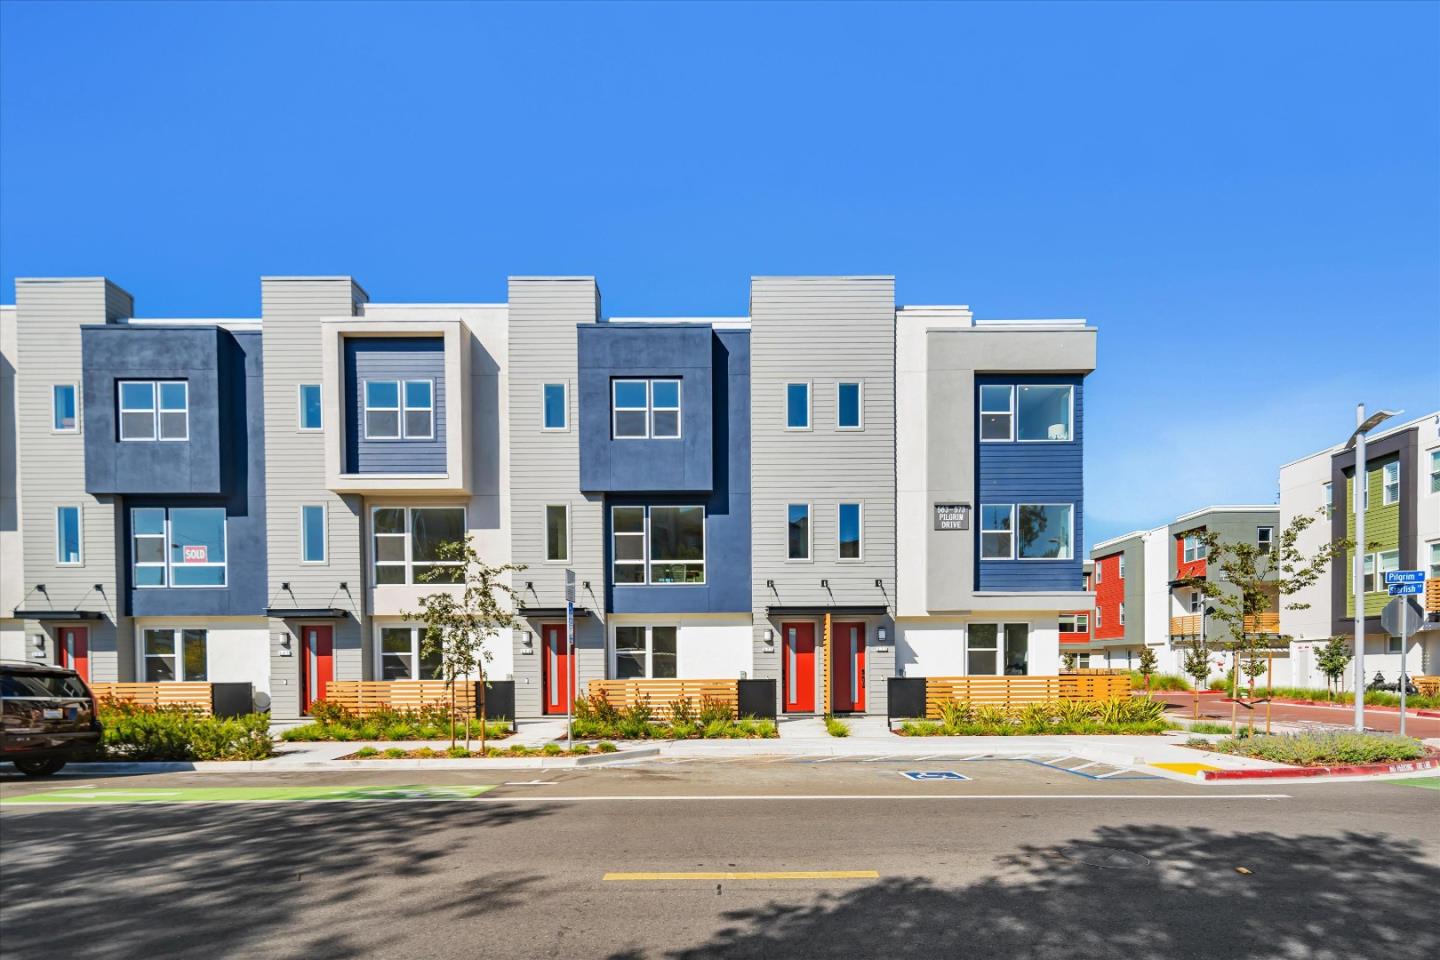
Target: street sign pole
(1404, 649)
(572, 675)
(1357, 556)
(1395, 618)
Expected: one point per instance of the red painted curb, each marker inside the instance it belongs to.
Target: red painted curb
(1408, 766)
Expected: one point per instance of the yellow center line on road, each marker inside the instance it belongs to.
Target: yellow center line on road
(751, 875)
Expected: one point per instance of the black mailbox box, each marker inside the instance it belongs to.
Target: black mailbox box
(907, 698)
(757, 699)
(231, 699)
(499, 700)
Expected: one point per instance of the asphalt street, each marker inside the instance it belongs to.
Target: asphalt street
(717, 859)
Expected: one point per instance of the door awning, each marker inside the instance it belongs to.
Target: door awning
(551, 613)
(58, 614)
(307, 613)
(878, 610)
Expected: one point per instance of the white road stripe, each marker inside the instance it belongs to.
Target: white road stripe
(888, 796)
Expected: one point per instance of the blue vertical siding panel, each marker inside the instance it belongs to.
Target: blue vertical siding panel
(393, 358)
(1032, 473)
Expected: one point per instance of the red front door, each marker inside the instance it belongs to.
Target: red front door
(847, 680)
(555, 667)
(74, 649)
(317, 662)
(797, 656)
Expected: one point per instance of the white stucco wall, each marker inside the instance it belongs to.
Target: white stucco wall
(710, 649)
(1302, 492)
(936, 648)
(237, 649)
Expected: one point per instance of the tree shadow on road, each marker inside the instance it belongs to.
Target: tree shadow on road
(1355, 895)
(221, 881)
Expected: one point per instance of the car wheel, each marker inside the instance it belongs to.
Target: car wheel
(42, 767)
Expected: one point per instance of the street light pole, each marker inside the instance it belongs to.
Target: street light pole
(1361, 487)
(1363, 425)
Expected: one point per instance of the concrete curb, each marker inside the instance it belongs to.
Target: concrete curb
(445, 763)
(1289, 773)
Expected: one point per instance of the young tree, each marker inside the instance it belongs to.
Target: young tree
(1070, 660)
(457, 622)
(1333, 660)
(1148, 663)
(1245, 582)
(1196, 666)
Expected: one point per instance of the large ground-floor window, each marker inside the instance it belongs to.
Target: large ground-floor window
(170, 654)
(400, 656)
(994, 649)
(642, 652)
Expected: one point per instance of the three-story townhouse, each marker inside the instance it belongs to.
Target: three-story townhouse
(990, 459)
(12, 547)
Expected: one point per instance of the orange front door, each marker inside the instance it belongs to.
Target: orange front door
(555, 667)
(74, 649)
(797, 655)
(847, 679)
(318, 661)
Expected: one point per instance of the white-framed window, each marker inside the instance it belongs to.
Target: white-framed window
(311, 407)
(1074, 623)
(65, 408)
(1265, 539)
(554, 407)
(1122, 566)
(1097, 618)
(1044, 412)
(642, 652)
(69, 536)
(169, 654)
(399, 409)
(1099, 569)
(849, 405)
(997, 531)
(1122, 613)
(997, 649)
(154, 409)
(797, 405)
(1361, 488)
(407, 543)
(313, 534)
(1435, 471)
(645, 409)
(797, 531)
(658, 544)
(557, 533)
(1329, 500)
(1046, 531)
(1376, 566)
(997, 412)
(400, 657)
(1434, 572)
(1196, 601)
(850, 531)
(178, 547)
(1390, 483)
(1194, 548)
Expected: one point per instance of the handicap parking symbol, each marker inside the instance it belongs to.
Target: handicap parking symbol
(932, 775)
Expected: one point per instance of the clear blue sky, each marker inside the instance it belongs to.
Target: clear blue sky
(1241, 197)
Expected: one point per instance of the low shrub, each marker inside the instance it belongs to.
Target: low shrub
(367, 752)
(580, 748)
(605, 746)
(1119, 715)
(395, 753)
(1314, 749)
(552, 749)
(386, 724)
(836, 727)
(1159, 682)
(1205, 726)
(458, 752)
(136, 732)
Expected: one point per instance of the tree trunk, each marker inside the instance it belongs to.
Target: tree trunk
(452, 712)
(482, 713)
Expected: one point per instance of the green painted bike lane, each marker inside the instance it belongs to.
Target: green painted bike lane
(297, 794)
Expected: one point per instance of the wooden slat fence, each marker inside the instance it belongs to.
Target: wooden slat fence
(363, 697)
(1016, 691)
(194, 694)
(1096, 672)
(661, 693)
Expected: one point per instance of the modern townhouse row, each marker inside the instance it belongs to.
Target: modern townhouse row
(1140, 601)
(825, 493)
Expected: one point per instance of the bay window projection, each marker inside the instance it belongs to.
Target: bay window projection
(658, 545)
(645, 409)
(170, 654)
(645, 652)
(407, 543)
(401, 658)
(154, 409)
(178, 546)
(388, 418)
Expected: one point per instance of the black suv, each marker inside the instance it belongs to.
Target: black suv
(47, 716)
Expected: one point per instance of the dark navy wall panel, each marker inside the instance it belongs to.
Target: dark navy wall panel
(241, 374)
(393, 358)
(116, 352)
(1013, 473)
(646, 351)
(727, 505)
